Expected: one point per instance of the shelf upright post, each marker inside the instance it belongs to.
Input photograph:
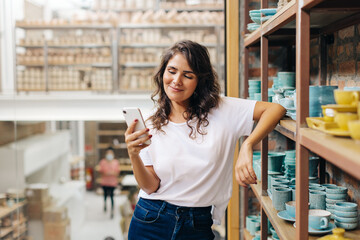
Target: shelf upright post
(115, 32)
(46, 67)
(264, 62)
(323, 59)
(302, 102)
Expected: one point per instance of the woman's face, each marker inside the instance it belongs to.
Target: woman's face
(179, 80)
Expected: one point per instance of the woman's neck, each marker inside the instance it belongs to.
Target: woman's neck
(177, 111)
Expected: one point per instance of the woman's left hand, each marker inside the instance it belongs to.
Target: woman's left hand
(244, 171)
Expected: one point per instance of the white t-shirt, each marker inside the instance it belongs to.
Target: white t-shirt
(198, 172)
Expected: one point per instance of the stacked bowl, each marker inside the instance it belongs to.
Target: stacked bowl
(252, 27)
(254, 87)
(289, 163)
(255, 16)
(335, 194)
(346, 215)
(287, 80)
(267, 13)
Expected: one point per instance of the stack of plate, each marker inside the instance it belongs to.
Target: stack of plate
(254, 87)
(289, 164)
(252, 27)
(346, 215)
(335, 194)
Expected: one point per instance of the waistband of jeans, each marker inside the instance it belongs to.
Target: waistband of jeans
(172, 208)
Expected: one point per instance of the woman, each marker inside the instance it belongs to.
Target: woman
(109, 168)
(185, 174)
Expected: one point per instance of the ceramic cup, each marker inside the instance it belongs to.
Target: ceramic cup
(346, 97)
(290, 208)
(354, 128)
(293, 192)
(278, 186)
(342, 119)
(247, 222)
(270, 176)
(317, 200)
(326, 185)
(319, 219)
(254, 226)
(280, 196)
(313, 166)
(275, 161)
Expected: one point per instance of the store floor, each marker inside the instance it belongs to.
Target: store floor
(97, 224)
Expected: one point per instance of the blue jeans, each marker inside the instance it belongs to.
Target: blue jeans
(160, 220)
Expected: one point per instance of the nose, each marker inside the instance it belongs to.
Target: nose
(177, 80)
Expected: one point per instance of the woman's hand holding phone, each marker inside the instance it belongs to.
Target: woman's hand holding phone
(133, 142)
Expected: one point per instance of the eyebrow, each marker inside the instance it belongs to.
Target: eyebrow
(183, 71)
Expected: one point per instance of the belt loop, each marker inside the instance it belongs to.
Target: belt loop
(163, 206)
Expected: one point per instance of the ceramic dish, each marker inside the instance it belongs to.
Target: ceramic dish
(285, 216)
(320, 231)
(346, 226)
(319, 123)
(268, 11)
(346, 206)
(338, 132)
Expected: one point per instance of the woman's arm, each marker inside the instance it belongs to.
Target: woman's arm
(145, 175)
(268, 115)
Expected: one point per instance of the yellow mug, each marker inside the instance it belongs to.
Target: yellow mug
(346, 97)
(354, 128)
(358, 110)
(342, 119)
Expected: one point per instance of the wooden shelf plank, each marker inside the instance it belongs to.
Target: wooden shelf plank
(7, 210)
(284, 229)
(287, 128)
(106, 145)
(342, 152)
(5, 231)
(111, 132)
(281, 18)
(127, 167)
(247, 235)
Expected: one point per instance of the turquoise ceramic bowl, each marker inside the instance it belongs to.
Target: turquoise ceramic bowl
(254, 90)
(346, 206)
(334, 196)
(268, 11)
(255, 14)
(345, 214)
(254, 11)
(290, 153)
(256, 83)
(336, 190)
(346, 226)
(256, 20)
(346, 219)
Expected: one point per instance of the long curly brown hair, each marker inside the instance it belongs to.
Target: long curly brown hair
(205, 97)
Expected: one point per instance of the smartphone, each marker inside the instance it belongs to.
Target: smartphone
(130, 115)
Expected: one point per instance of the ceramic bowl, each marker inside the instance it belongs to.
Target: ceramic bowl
(330, 206)
(332, 201)
(346, 226)
(326, 185)
(346, 219)
(336, 190)
(334, 196)
(345, 214)
(268, 11)
(256, 83)
(346, 206)
(255, 14)
(256, 20)
(286, 102)
(315, 188)
(354, 128)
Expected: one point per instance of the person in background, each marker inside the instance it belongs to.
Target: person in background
(109, 169)
(185, 174)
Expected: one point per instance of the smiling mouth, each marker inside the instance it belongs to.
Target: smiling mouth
(176, 89)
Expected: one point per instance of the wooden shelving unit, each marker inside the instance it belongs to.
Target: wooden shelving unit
(295, 24)
(6, 211)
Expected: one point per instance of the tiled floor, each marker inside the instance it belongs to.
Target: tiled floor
(97, 224)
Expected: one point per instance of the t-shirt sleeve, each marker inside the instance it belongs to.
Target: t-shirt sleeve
(145, 157)
(241, 113)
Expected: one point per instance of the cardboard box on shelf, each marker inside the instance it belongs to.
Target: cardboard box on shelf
(57, 230)
(35, 210)
(55, 214)
(37, 192)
